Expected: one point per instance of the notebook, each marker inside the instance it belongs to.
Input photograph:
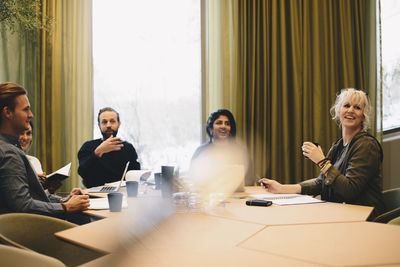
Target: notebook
(109, 189)
(287, 199)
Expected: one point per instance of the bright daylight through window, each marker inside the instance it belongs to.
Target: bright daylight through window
(390, 16)
(147, 65)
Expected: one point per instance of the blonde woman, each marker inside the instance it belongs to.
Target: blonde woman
(350, 172)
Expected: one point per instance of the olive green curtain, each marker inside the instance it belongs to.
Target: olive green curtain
(66, 102)
(221, 62)
(278, 66)
(56, 69)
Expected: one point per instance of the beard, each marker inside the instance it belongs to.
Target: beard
(107, 135)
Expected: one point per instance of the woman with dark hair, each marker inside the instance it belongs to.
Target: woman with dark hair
(350, 172)
(216, 122)
(222, 147)
(25, 141)
(220, 128)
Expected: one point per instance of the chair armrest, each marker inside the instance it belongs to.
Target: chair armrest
(387, 216)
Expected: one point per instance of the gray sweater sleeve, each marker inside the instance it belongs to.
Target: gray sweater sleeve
(17, 185)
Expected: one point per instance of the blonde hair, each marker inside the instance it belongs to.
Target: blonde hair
(354, 96)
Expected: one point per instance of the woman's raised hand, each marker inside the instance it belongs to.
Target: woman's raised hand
(312, 152)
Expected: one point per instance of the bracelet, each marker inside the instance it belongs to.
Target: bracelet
(324, 159)
(327, 166)
(322, 162)
(322, 166)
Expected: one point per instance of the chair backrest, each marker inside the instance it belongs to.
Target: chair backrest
(36, 232)
(32, 231)
(395, 221)
(391, 199)
(16, 257)
(6, 241)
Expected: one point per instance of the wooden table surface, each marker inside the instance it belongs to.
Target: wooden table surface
(337, 244)
(322, 234)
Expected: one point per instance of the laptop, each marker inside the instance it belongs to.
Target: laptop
(109, 189)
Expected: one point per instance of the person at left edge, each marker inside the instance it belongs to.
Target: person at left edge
(20, 189)
(103, 160)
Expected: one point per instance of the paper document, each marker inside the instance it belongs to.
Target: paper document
(102, 203)
(287, 199)
(138, 175)
(60, 174)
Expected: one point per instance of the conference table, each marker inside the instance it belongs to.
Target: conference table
(152, 231)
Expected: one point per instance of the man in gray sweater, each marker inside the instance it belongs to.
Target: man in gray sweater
(20, 189)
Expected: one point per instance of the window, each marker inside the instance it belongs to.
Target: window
(390, 17)
(147, 65)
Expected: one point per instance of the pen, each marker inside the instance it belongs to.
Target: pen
(259, 178)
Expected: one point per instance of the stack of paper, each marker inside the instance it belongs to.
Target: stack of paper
(102, 203)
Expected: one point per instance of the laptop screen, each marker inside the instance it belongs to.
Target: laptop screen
(123, 174)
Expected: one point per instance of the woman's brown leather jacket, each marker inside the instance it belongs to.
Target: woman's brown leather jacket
(355, 177)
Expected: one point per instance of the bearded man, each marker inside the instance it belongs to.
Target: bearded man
(103, 160)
